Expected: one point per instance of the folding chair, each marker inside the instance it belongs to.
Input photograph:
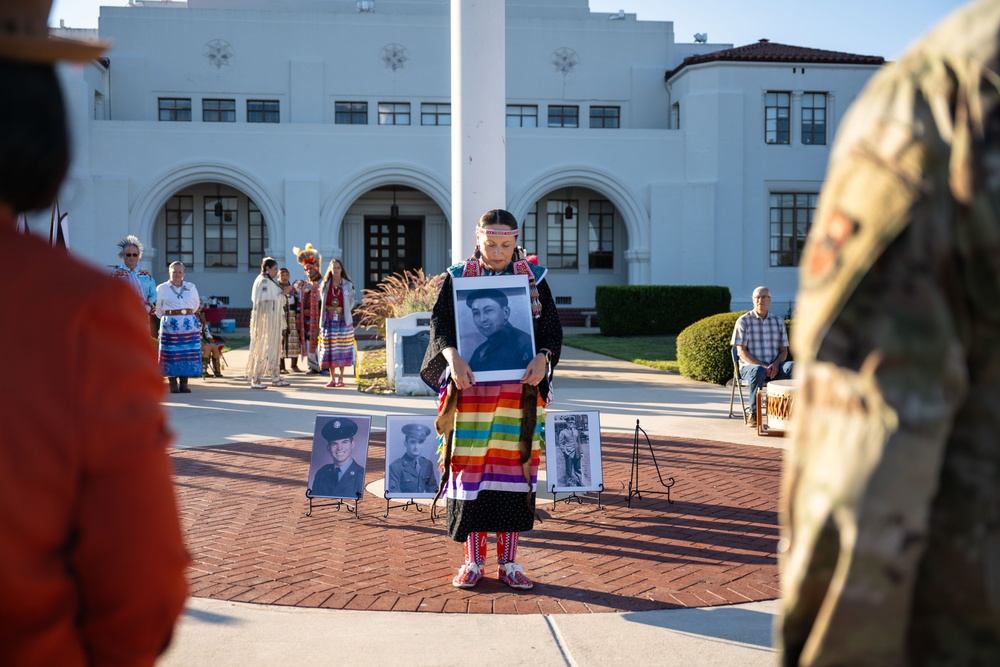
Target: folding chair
(738, 383)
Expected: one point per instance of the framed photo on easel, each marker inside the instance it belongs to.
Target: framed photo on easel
(411, 465)
(495, 331)
(339, 454)
(573, 452)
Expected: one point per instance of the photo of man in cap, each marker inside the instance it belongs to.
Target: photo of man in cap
(411, 472)
(506, 346)
(343, 478)
(570, 447)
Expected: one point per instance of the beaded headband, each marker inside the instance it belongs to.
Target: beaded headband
(497, 232)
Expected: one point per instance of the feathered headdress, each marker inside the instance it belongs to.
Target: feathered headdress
(126, 242)
(307, 255)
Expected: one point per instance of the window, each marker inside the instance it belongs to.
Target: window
(814, 119)
(257, 233)
(262, 111)
(522, 115)
(175, 108)
(392, 247)
(601, 232)
(564, 116)
(351, 113)
(529, 232)
(180, 230)
(560, 248)
(218, 111)
(777, 107)
(791, 217)
(675, 116)
(393, 113)
(435, 114)
(605, 117)
(221, 236)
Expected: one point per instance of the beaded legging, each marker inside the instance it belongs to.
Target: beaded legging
(475, 548)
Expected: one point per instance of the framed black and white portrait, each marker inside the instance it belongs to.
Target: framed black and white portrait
(573, 451)
(411, 460)
(493, 320)
(339, 454)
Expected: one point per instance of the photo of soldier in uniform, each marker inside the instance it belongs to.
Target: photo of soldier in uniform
(495, 333)
(410, 455)
(339, 453)
(573, 451)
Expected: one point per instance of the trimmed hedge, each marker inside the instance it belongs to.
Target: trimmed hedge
(650, 310)
(703, 348)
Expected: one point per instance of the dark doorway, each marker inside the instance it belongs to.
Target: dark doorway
(392, 246)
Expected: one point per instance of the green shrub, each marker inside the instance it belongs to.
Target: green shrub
(703, 348)
(648, 310)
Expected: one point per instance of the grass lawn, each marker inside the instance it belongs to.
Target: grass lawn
(659, 352)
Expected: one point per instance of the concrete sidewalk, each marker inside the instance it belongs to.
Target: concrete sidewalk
(217, 633)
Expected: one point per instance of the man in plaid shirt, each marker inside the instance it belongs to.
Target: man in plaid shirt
(762, 343)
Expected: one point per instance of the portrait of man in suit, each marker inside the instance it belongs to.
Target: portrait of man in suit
(343, 478)
(506, 346)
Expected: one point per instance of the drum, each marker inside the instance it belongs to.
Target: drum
(780, 395)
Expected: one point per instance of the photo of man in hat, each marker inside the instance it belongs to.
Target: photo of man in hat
(571, 449)
(412, 472)
(506, 346)
(344, 478)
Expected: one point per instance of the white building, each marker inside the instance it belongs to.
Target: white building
(221, 131)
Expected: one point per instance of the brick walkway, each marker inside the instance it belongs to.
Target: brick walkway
(243, 507)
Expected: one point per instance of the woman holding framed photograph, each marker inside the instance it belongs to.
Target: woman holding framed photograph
(491, 431)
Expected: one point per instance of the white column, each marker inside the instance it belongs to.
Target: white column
(478, 117)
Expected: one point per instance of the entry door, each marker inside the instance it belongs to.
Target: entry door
(392, 246)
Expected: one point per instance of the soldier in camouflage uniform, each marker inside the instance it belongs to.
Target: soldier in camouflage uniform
(891, 502)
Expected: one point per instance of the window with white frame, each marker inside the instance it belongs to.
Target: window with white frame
(791, 216)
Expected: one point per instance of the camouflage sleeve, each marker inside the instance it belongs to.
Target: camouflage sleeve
(898, 315)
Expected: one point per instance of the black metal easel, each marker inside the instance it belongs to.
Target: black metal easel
(404, 506)
(337, 504)
(573, 495)
(633, 480)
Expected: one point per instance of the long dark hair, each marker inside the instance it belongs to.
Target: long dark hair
(329, 274)
(34, 142)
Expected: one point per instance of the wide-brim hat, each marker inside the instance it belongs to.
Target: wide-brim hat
(24, 36)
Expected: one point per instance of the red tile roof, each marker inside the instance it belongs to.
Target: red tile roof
(765, 51)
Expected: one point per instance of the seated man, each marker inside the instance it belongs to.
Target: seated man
(762, 343)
